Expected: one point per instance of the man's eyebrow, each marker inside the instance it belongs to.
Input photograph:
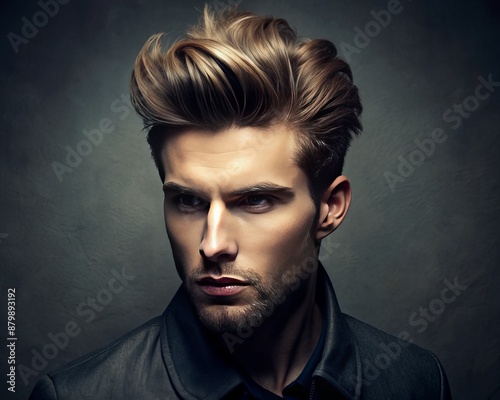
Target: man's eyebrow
(263, 187)
(175, 187)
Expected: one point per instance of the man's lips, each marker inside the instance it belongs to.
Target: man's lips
(221, 286)
(222, 281)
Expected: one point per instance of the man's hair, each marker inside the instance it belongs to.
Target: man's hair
(238, 69)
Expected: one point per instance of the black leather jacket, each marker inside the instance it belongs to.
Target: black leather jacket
(170, 358)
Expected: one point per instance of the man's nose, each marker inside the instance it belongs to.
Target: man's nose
(218, 243)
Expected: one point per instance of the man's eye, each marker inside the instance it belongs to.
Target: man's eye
(188, 201)
(258, 201)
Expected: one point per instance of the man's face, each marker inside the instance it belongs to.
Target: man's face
(239, 217)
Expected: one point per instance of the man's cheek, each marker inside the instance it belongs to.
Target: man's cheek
(180, 251)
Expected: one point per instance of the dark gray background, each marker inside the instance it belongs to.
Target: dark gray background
(61, 240)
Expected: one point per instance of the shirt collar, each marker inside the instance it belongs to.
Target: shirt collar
(305, 377)
(198, 369)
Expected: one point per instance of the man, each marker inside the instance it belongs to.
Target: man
(249, 127)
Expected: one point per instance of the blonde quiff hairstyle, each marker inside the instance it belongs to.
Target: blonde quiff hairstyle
(238, 69)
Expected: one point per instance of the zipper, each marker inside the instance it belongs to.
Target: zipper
(313, 389)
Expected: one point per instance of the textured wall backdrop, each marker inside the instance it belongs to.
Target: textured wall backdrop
(81, 225)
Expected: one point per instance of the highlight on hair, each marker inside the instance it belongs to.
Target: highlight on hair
(239, 69)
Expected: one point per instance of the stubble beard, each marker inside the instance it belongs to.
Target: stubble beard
(260, 302)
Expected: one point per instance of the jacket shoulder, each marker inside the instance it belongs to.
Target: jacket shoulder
(112, 371)
(394, 368)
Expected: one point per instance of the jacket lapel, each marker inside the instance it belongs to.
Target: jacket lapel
(194, 365)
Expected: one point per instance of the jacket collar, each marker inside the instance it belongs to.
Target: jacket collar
(199, 370)
(340, 365)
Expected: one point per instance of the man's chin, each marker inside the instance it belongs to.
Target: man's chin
(221, 319)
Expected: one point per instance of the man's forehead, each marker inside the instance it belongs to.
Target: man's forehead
(234, 138)
(230, 160)
(231, 148)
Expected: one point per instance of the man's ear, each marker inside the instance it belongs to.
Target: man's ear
(333, 206)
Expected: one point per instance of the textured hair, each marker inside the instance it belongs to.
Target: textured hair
(238, 69)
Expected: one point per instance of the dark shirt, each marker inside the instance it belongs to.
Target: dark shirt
(301, 387)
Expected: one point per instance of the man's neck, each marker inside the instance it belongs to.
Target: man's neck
(276, 353)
